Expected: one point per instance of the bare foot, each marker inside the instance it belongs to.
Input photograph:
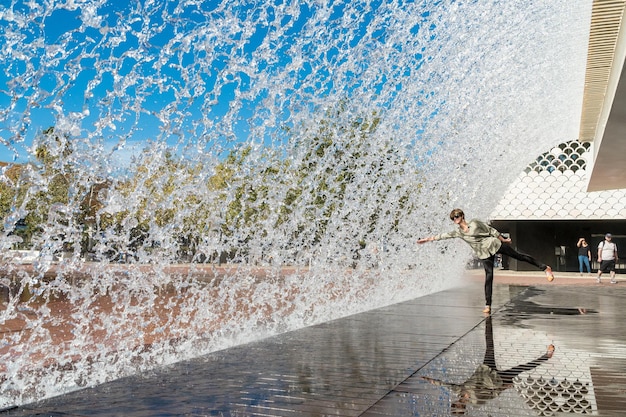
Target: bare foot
(549, 274)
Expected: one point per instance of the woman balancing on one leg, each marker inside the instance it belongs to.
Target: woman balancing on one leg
(486, 242)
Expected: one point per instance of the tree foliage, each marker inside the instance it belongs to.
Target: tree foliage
(336, 170)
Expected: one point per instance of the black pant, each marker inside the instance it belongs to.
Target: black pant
(508, 251)
(509, 374)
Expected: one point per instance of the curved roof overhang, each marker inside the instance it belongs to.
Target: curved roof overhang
(603, 118)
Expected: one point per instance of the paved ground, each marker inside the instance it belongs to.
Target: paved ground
(431, 356)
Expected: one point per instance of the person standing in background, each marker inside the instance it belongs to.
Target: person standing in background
(607, 256)
(584, 255)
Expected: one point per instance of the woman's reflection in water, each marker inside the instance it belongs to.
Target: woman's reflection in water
(487, 382)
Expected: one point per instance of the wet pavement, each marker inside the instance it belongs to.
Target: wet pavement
(436, 355)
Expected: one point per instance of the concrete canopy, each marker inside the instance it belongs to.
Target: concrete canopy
(603, 119)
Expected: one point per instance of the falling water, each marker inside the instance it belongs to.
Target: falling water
(257, 166)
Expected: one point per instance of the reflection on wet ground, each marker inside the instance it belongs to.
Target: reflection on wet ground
(523, 307)
(488, 381)
(434, 356)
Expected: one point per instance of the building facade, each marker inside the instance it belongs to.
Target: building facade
(547, 209)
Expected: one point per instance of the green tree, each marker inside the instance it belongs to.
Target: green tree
(12, 194)
(50, 181)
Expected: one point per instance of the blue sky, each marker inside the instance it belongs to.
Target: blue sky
(69, 77)
(79, 83)
(199, 76)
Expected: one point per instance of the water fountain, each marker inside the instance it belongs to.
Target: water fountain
(198, 174)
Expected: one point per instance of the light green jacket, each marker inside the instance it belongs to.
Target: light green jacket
(482, 238)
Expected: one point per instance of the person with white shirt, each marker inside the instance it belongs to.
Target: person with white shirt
(607, 256)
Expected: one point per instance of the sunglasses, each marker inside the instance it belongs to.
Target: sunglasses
(456, 216)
